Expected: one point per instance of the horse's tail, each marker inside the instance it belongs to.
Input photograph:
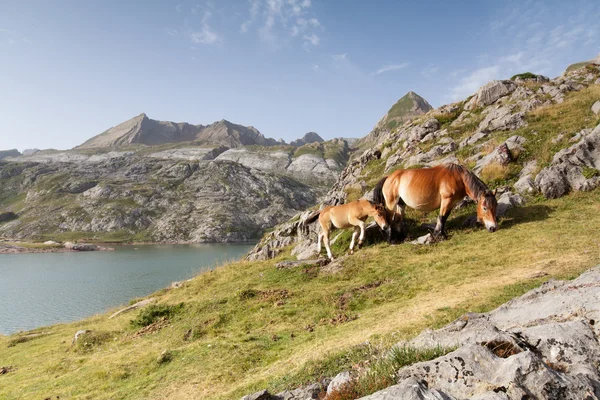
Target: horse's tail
(378, 197)
(312, 217)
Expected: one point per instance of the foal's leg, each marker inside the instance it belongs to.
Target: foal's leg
(354, 234)
(319, 242)
(445, 208)
(362, 233)
(326, 241)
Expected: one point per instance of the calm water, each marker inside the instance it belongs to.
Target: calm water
(47, 288)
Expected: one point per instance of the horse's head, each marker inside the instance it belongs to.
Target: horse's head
(486, 210)
(380, 216)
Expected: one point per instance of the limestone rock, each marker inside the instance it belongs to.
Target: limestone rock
(489, 93)
(339, 381)
(566, 171)
(540, 345)
(507, 201)
(501, 118)
(525, 184)
(596, 107)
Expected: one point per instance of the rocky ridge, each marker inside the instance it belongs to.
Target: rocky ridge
(146, 131)
(476, 132)
(177, 193)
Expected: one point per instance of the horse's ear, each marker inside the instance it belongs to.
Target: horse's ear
(494, 191)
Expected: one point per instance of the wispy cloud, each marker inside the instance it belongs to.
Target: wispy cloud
(179, 8)
(206, 35)
(470, 83)
(389, 68)
(11, 37)
(276, 20)
(340, 57)
(312, 40)
(430, 71)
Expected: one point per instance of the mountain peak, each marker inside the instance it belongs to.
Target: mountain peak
(309, 137)
(143, 130)
(408, 106)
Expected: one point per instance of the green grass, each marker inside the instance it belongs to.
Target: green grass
(327, 150)
(248, 326)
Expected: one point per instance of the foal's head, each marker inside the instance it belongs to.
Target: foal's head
(486, 210)
(380, 216)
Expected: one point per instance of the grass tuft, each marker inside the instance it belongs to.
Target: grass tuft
(154, 312)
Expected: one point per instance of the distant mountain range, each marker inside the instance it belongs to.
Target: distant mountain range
(147, 131)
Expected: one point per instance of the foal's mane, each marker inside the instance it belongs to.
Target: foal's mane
(471, 181)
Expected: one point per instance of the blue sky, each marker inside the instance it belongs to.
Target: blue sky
(71, 69)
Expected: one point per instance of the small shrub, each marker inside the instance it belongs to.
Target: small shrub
(381, 373)
(91, 340)
(247, 294)
(525, 75)
(154, 312)
(494, 172)
(7, 216)
(165, 357)
(590, 172)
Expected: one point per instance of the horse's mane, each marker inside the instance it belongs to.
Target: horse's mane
(472, 181)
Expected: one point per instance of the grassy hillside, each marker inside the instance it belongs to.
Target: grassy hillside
(248, 325)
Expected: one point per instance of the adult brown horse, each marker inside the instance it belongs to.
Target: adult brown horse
(428, 189)
(353, 214)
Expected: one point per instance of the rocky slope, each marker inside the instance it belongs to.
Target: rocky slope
(143, 130)
(228, 184)
(541, 345)
(529, 135)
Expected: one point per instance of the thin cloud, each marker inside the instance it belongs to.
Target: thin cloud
(340, 57)
(312, 40)
(470, 83)
(391, 67)
(206, 35)
(274, 20)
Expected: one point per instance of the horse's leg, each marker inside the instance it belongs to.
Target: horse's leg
(445, 208)
(354, 234)
(401, 211)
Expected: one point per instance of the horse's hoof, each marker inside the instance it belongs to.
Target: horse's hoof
(360, 245)
(351, 252)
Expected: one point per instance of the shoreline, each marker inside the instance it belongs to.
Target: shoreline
(21, 247)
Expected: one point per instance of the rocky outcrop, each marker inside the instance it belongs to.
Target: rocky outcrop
(489, 93)
(9, 153)
(567, 171)
(310, 137)
(409, 106)
(541, 345)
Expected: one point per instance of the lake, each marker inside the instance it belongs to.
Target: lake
(46, 288)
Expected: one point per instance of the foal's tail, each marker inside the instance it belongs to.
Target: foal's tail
(378, 197)
(312, 217)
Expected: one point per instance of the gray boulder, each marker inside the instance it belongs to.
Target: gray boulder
(566, 172)
(341, 379)
(596, 107)
(489, 93)
(525, 184)
(500, 117)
